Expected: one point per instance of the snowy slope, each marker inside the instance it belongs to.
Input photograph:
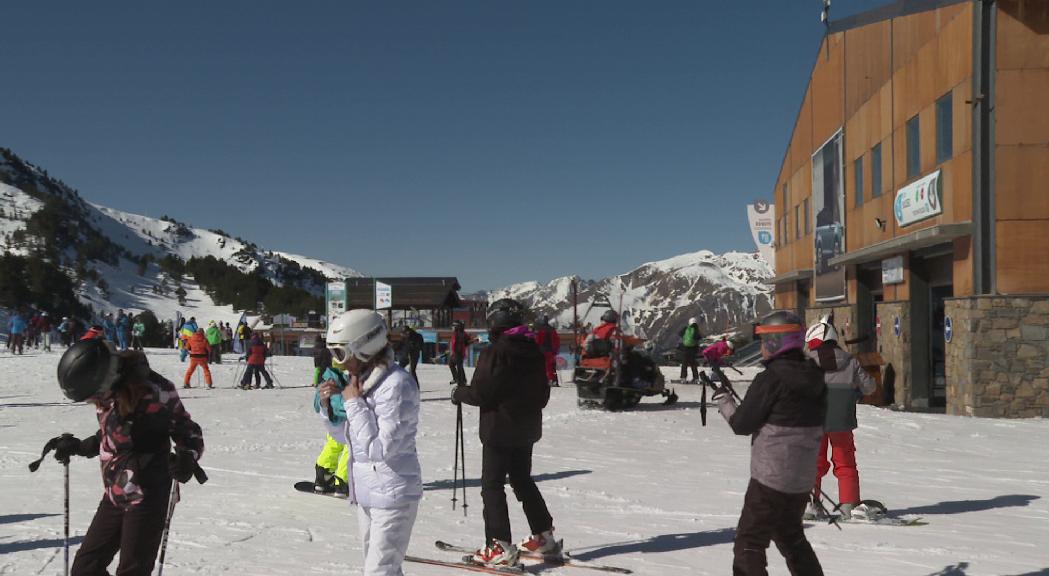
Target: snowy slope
(721, 291)
(15, 208)
(650, 490)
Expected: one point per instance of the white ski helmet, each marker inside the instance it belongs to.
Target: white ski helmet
(731, 346)
(692, 321)
(819, 333)
(360, 333)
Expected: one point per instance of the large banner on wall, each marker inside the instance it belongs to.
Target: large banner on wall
(828, 195)
(760, 216)
(335, 299)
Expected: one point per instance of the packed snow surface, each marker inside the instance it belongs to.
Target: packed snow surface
(649, 490)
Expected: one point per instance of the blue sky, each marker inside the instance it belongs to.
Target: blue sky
(498, 141)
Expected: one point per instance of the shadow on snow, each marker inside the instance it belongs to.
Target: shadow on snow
(664, 543)
(12, 518)
(961, 506)
(9, 547)
(476, 482)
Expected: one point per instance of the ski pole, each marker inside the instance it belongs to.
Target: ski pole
(455, 473)
(65, 544)
(831, 519)
(462, 457)
(173, 497)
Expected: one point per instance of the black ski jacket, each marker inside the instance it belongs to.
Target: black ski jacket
(509, 386)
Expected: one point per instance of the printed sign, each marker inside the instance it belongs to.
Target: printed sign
(828, 194)
(335, 298)
(948, 329)
(760, 215)
(383, 295)
(892, 270)
(896, 326)
(919, 200)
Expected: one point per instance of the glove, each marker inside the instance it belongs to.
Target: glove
(455, 390)
(720, 393)
(67, 445)
(181, 465)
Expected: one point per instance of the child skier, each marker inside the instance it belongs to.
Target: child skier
(847, 382)
(331, 465)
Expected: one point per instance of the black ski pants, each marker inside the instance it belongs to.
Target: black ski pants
(689, 359)
(135, 532)
(497, 462)
(458, 373)
(777, 516)
(255, 370)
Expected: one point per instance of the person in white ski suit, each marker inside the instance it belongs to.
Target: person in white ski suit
(382, 417)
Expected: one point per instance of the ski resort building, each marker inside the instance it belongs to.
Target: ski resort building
(913, 200)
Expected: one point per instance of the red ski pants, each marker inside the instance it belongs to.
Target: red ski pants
(195, 361)
(843, 454)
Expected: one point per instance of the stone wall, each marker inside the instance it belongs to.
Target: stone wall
(844, 319)
(998, 358)
(896, 350)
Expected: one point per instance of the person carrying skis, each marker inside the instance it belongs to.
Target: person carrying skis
(332, 463)
(139, 416)
(689, 349)
(549, 343)
(199, 352)
(382, 418)
(214, 336)
(457, 348)
(847, 382)
(783, 411)
(510, 387)
(256, 353)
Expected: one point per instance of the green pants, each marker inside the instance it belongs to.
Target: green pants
(334, 458)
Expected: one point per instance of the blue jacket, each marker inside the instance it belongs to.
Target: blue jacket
(337, 407)
(17, 324)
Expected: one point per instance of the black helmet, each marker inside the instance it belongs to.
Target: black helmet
(780, 332)
(88, 368)
(505, 314)
(610, 316)
(458, 324)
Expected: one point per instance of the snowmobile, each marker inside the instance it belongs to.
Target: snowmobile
(603, 382)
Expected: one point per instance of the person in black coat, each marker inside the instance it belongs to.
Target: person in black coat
(509, 386)
(415, 349)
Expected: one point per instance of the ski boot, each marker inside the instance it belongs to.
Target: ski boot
(342, 489)
(865, 511)
(325, 482)
(497, 554)
(814, 511)
(544, 544)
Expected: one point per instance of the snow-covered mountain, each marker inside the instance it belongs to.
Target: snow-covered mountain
(722, 291)
(114, 255)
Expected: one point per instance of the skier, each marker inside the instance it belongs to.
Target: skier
(256, 353)
(510, 387)
(16, 327)
(332, 462)
(847, 382)
(199, 351)
(715, 355)
(783, 411)
(65, 330)
(549, 343)
(457, 347)
(44, 327)
(136, 461)
(138, 332)
(109, 327)
(321, 359)
(382, 417)
(414, 345)
(689, 349)
(123, 327)
(214, 336)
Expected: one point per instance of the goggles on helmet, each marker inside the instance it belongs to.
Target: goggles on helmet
(342, 351)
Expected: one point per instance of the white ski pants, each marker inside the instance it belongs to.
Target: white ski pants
(385, 533)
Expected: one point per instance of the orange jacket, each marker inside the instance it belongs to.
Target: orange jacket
(198, 345)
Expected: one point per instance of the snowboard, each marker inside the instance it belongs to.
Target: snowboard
(308, 488)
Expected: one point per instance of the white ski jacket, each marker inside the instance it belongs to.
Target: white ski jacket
(380, 431)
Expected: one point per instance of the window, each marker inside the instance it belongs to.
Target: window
(914, 156)
(786, 227)
(797, 222)
(784, 202)
(857, 171)
(876, 171)
(944, 128)
(808, 219)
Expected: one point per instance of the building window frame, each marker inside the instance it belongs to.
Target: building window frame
(914, 150)
(808, 217)
(945, 127)
(857, 181)
(797, 222)
(876, 170)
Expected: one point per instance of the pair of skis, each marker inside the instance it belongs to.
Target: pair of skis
(471, 566)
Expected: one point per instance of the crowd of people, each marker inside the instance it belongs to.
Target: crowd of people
(802, 404)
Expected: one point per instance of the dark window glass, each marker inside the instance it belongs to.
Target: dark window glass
(797, 222)
(784, 202)
(914, 156)
(857, 171)
(944, 129)
(876, 171)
